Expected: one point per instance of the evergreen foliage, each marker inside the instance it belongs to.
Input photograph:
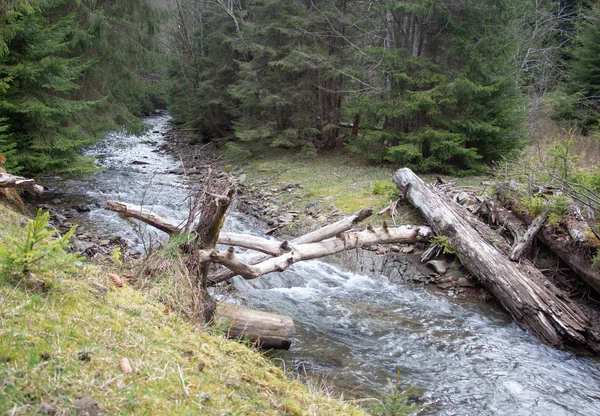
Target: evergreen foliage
(450, 102)
(432, 83)
(66, 75)
(39, 251)
(585, 71)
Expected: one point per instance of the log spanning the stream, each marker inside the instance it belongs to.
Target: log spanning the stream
(18, 182)
(534, 302)
(280, 255)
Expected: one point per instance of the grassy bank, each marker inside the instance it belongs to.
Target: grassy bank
(340, 179)
(61, 352)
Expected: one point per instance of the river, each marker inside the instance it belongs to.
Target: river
(463, 356)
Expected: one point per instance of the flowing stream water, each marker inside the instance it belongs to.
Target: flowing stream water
(467, 357)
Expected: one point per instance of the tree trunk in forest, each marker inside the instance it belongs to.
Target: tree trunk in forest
(533, 301)
(330, 110)
(266, 330)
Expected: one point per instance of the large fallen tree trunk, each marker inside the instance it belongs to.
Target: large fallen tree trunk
(533, 301)
(266, 330)
(18, 182)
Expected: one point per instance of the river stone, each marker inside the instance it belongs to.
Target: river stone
(464, 282)
(286, 218)
(408, 250)
(81, 246)
(440, 266)
(57, 201)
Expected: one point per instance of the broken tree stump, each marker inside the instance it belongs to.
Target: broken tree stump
(534, 302)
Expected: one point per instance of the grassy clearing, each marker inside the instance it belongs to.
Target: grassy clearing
(341, 179)
(61, 349)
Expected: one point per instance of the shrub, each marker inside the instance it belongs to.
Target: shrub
(39, 251)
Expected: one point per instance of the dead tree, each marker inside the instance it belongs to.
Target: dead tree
(534, 302)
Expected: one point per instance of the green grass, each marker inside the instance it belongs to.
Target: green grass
(343, 179)
(177, 368)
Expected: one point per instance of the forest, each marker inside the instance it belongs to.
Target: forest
(267, 126)
(438, 86)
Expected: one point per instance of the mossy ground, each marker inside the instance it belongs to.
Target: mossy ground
(65, 343)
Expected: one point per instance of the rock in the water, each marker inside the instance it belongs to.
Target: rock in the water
(440, 266)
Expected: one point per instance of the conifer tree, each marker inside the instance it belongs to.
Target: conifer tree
(70, 70)
(448, 101)
(585, 70)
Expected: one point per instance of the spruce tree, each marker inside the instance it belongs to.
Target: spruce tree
(447, 100)
(585, 70)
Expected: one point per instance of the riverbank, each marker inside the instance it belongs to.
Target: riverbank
(295, 194)
(62, 351)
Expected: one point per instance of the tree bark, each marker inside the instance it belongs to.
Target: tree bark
(328, 231)
(533, 302)
(525, 241)
(266, 330)
(568, 251)
(301, 252)
(18, 182)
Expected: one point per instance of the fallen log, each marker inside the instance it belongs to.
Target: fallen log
(525, 241)
(266, 330)
(269, 247)
(301, 252)
(18, 182)
(532, 300)
(568, 251)
(144, 215)
(323, 233)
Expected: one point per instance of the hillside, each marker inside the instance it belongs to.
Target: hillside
(61, 352)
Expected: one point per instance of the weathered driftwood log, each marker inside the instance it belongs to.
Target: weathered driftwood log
(570, 252)
(526, 294)
(145, 215)
(526, 239)
(323, 233)
(267, 330)
(18, 182)
(270, 247)
(301, 252)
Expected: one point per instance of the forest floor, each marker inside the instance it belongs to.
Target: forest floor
(62, 351)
